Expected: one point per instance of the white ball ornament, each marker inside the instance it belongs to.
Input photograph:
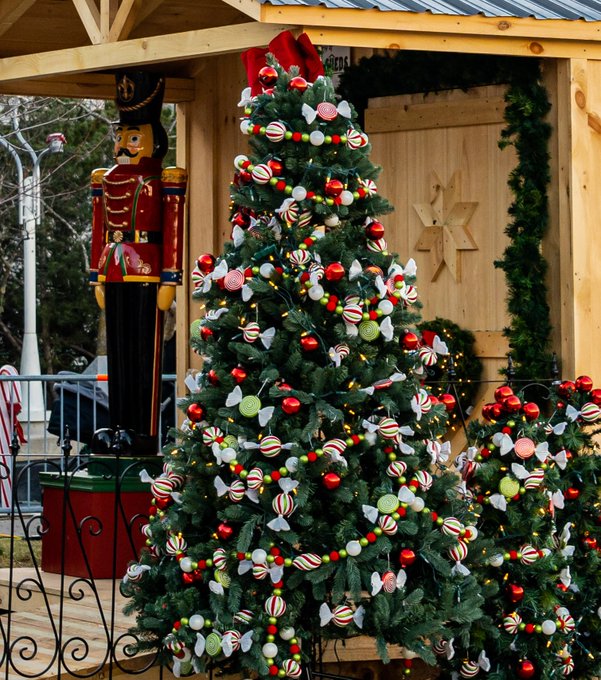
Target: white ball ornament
(196, 622)
(331, 220)
(346, 197)
(418, 504)
(269, 650)
(317, 138)
(266, 270)
(287, 633)
(549, 627)
(386, 307)
(244, 125)
(496, 560)
(185, 564)
(239, 160)
(299, 193)
(258, 556)
(316, 292)
(353, 548)
(228, 455)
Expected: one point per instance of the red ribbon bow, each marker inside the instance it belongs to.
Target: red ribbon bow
(289, 51)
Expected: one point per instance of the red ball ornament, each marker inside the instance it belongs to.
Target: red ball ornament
(268, 76)
(496, 410)
(531, 410)
(571, 493)
(334, 271)
(514, 592)
(410, 341)
(589, 542)
(596, 397)
(512, 404)
(566, 388)
(240, 219)
(291, 405)
(239, 374)
(206, 333)
(331, 481)
(206, 263)
(374, 230)
(188, 578)
(448, 400)
(298, 84)
(407, 557)
(503, 392)
(309, 343)
(334, 188)
(195, 412)
(225, 531)
(525, 669)
(212, 376)
(584, 383)
(487, 411)
(276, 166)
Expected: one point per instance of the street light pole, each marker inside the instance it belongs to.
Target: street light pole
(30, 215)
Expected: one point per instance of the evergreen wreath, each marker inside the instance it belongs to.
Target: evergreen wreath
(527, 131)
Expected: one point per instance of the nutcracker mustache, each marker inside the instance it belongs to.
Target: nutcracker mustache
(126, 152)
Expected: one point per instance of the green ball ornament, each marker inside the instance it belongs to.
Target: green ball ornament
(363, 542)
(388, 504)
(325, 559)
(369, 330)
(509, 487)
(250, 406)
(343, 554)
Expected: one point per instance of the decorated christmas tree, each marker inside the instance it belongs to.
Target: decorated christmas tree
(515, 474)
(307, 496)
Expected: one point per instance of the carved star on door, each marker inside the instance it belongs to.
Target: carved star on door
(446, 220)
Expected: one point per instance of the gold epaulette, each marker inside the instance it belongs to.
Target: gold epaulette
(98, 174)
(173, 174)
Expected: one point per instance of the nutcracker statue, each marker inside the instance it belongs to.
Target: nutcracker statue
(136, 262)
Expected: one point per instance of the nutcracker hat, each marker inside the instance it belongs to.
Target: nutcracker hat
(139, 97)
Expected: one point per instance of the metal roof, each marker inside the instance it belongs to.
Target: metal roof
(589, 10)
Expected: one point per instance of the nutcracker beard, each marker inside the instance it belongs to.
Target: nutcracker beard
(134, 340)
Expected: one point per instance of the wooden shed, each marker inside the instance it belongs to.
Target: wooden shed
(70, 48)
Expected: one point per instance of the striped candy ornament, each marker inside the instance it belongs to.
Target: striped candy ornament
(352, 314)
(389, 582)
(304, 219)
(352, 300)
(327, 111)
(175, 544)
(283, 504)
(197, 277)
(511, 623)
(290, 213)
(440, 647)
(566, 623)
(233, 280)
(300, 257)
(378, 245)
(424, 479)
(307, 561)
(251, 331)
(451, 526)
(409, 294)
(235, 637)
(567, 666)
(427, 356)
(342, 350)
(370, 186)
(275, 606)
(147, 530)
(134, 573)
(396, 469)
(422, 402)
(469, 669)
(354, 140)
(162, 487)
(529, 554)
(177, 479)
(270, 446)
(236, 491)
(292, 668)
(220, 559)
(254, 479)
(211, 435)
(388, 428)
(262, 173)
(342, 615)
(334, 447)
(317, 270)
(535, 479)
(458, 552)
(524, 448)
(590, 412)
(388, 525)
(260, 571)
(244, 616)
(275, 131)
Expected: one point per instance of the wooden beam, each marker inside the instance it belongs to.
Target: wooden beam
(151, 50)
(251, 8)
(423, 22)
(125, 20)
(90, 18)
(441, 42)
(108, 12)
(91, 86)
(11, 11)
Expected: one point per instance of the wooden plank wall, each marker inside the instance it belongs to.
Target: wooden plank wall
(424, 143)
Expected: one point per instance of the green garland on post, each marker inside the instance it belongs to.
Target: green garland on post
(523, 262)
(526, 130)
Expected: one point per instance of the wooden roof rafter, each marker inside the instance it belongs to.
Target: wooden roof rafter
(113, 20)
(11, 11)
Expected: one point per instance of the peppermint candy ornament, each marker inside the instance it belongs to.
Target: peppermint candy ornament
(300, 257)
(451, 526)
(567, 666)
(458, 552)
(262, 173)
(327, 111)
(175, 544)
(254, 479)
(388, 525)
(511, 623)
(409, 294)
(211, 435)
(396, 469)
(427, 356)
(251, 331)
(566, 623)
(590, 412)
(524, 448)
(162, 488)
(352, 314)
(135, 572)
(369, 186)
(260, 571)
(233, 280)
(469, 669)
(292, 668)
(270, 446)
(289, 211)
(307, 561)
(424, 479)
(388, 428)
(529, 554)
(283, 504)
(354, 139)
(275, 131)
(378, 245)
(535, 479)
(275, 606)
(220, 559)
(244, 616)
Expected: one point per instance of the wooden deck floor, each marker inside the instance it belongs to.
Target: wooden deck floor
(50, 636)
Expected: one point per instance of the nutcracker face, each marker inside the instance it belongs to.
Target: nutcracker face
(132, 143)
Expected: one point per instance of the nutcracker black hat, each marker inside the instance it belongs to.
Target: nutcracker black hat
(139, 96)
